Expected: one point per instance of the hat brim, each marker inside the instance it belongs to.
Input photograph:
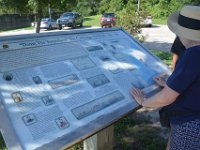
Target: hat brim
(173, 25)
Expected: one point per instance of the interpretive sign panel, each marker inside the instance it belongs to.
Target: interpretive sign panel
(58, 88)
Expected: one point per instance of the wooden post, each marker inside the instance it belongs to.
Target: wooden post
(101, 141)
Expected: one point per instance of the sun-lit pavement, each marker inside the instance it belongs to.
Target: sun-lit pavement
(158, 37)
(32, 31)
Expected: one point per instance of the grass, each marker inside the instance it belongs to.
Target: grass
(162, 21)
(92, 21)
(137, 132)
(24, 28)
(166, 57)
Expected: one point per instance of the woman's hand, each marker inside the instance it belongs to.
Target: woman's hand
(160, 79)
(138, 95)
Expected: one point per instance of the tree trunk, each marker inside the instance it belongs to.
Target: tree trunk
(39, 17)
(38, 8)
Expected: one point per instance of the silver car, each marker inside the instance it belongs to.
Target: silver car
(47, 23)
(147, 22)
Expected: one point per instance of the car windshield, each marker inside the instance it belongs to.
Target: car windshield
(45, 19)
(67, 15)
(109, 15)
(148, 17)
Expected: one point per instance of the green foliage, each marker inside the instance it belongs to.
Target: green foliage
(13, 6)
(156, 8)
(163, 8)
(2, 143)
(88, 7)
(131, 6)
(160, 21)
(116, 5)
(166, 57)
(139, 133)
(64, 5)
(130, 21)
(104, 6)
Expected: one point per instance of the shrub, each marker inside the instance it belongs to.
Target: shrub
(130, 21)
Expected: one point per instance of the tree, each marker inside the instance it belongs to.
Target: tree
(116, 5)
(64, 5)
(14, 6)
(88, 7)
(129, 20)
(26, 6)
(131, 6)
(38, 6)
(104, 6)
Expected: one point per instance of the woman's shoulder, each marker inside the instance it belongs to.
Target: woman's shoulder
(193, 49)
(193, 53)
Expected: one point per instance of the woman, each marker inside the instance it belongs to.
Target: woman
(182, 89)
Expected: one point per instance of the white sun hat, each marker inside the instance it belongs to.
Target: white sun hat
(186, 23)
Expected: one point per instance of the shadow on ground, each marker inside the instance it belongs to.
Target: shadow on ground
(153, 26)
(163, 46)
(87, 19)
(140, 131)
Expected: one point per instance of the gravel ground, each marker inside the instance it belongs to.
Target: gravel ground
(158, 37)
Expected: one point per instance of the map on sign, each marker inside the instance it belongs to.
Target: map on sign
(59, 88)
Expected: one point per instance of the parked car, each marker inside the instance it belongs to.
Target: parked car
(147, 22)
(108, 20)
(48, 23)
(70, 19)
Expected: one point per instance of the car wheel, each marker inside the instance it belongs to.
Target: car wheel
(50, 27)
(73, 25)
(81, 24)
(150, 25)
(60, 27)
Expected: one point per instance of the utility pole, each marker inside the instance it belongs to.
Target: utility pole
(138, 9)
(49, 12)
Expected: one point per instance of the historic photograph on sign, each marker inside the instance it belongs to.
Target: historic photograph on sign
(98, 80)
(37, 80)
(17, 97)
(64, 81)
(94, 48)
(29, 119)
(48, 100)
(62, 123)
(82, 63)
(97, 105)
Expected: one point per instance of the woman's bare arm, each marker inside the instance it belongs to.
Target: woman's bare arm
(165, 97)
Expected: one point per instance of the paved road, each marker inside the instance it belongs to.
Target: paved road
(25, 31)
(158, 37)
